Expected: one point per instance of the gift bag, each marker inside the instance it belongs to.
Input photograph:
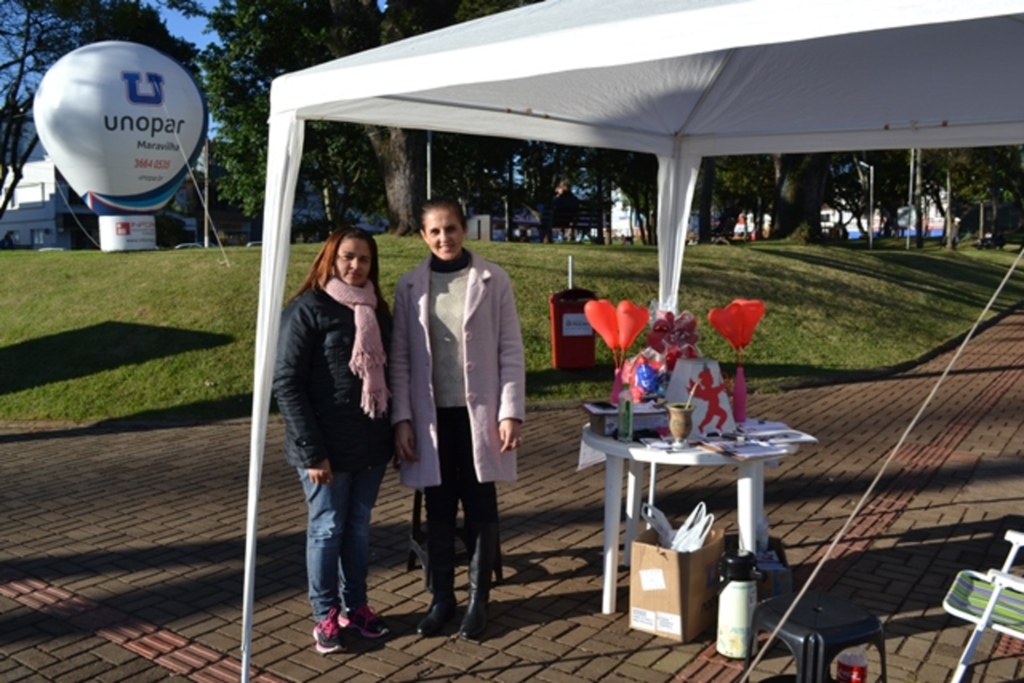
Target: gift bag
(712, 411)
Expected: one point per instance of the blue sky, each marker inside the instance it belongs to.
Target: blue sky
(189, 29)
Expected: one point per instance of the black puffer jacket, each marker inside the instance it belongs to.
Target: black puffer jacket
(318, 394)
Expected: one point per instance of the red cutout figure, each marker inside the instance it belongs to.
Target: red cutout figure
(709, 392)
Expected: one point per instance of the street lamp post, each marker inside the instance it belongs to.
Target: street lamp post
(871, 201)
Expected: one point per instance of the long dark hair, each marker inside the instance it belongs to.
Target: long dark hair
(323, 265)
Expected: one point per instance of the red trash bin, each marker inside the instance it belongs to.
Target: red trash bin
(572, 337)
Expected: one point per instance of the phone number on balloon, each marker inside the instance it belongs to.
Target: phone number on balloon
(153, 163)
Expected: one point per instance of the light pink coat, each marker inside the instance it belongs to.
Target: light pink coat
(495, 370)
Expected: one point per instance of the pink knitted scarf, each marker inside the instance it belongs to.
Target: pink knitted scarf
(368, 357)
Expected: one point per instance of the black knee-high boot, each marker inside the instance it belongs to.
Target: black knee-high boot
(481, 568)
(441, 567)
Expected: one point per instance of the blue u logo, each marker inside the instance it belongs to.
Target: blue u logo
(156, 83)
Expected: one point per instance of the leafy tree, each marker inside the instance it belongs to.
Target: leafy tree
(262, 39)
(401, 153)
(33, 35)
(26, 51)
(259, 40)
(542, 165)
(131, 21)
(744, 184)
(985, 175)
(847, 192)
(636, 175)
(480, 171)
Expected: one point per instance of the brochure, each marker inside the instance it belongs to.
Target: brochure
(746, 449)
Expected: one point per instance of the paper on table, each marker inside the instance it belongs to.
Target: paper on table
(589, 456)
(775, 432)
(745, 450)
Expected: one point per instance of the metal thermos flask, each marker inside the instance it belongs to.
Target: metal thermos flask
(737, 575)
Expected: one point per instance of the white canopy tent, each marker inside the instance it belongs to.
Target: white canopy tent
(680, 79)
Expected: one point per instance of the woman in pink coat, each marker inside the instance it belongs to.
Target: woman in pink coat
(458, 381)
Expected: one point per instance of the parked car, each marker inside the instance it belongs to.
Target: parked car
(374, 225)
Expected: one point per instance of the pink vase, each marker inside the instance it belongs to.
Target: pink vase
(616, 387)
(739, 397)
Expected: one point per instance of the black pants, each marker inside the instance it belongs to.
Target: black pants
(458, 475)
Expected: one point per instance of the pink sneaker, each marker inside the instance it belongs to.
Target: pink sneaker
(327, 634)
(366, 621)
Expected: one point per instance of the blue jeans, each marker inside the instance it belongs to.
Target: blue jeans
(338, 538)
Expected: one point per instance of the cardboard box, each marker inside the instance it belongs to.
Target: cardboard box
(776, 576)
(674, 595)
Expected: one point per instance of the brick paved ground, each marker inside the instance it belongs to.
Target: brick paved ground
(123, 546)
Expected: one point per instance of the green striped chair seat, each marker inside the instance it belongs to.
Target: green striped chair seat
(970, 593)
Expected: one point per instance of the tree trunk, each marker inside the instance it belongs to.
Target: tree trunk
(707, 188)
(402, 155)
(327, 197)
(14, 157)
(650, 211)
(949, 224)
(801, 192)
(922, 218)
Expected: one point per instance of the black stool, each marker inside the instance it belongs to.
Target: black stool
(418, 542)
(820, 627)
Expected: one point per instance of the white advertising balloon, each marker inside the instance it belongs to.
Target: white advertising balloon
(122, 122)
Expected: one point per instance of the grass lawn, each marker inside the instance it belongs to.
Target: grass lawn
(86, 335)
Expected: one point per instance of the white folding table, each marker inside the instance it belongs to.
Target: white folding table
(749, 493)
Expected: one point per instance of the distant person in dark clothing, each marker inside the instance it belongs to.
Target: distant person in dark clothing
(8, 240)
(565, 208)
(991, 241)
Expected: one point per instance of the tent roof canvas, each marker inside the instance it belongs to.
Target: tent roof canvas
(719, 76)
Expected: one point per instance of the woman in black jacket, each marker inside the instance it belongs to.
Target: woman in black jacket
(331, 388)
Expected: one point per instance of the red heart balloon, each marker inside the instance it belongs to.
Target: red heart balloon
(736, 322)
(632, 320)
(601, 316)
(722, 320)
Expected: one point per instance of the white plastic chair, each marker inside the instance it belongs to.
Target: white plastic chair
(991, 600)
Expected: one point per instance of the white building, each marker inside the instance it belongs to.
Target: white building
(45, 212)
